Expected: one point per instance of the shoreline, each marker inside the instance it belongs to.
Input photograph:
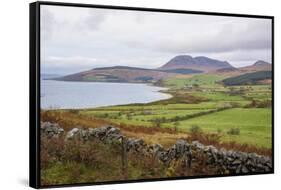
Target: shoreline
(163, 91)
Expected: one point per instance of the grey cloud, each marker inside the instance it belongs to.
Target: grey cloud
(253, 37)
(86, 38)
(95, 18)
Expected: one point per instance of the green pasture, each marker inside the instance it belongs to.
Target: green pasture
(254, 125)
(200, 79)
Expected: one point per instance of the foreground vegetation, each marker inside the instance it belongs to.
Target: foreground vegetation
(67, 162)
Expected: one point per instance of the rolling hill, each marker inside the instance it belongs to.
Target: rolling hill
(248, 78)
(257, 66)
(231, 72)
(119, 74)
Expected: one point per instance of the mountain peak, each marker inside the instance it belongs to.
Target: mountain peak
(261, 62)
(183, 56)
(199, 63)
(181, 59)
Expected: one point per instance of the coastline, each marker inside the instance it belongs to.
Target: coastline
(164, 91)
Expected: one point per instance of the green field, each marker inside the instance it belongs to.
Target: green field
(254, 125)
(200, 79)
(211, 106)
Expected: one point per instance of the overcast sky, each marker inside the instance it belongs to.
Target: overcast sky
(75, 39)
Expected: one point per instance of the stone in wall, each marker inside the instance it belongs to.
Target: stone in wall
(50, 130)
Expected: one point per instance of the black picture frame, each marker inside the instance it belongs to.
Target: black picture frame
(34, 93)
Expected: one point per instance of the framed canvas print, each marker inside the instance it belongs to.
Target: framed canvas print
(126, 94)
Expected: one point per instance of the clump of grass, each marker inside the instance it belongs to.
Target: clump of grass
(205, 138)
(219, 131)
(233, 131)
(195, 129)
(197, 134)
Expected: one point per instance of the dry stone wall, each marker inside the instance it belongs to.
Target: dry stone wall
(228, 161)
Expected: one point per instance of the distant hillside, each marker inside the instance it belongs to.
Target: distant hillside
(197, 63)
(257, 66)
(119, 74)
(182, 71)
(226, 70)
(231, 72)
(248, 78)
(179, 65)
